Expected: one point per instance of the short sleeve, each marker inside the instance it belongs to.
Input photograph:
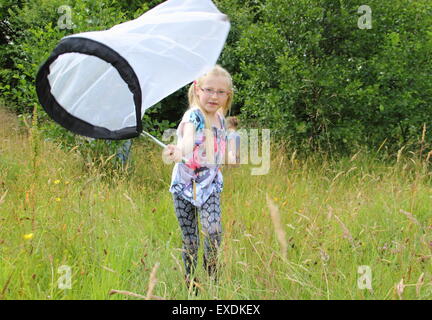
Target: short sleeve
(196, 118)
(193, 116)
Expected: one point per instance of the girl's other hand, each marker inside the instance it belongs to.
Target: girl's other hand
(172, 153)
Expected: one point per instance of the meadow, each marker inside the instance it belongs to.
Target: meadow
(355, 227)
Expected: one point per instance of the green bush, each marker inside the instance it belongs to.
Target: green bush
(302, 68)
(306, 70)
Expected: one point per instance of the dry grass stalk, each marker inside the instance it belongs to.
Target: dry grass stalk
(428, 156)
(354, 156)
(410, 217)
(346, 232)
(351, 169)
(3, 197)
(293, 157)
(6, 285)
(108, 269)
(135, 295)
(177, 262)
(280, 233)
(131, 201)
(400, 289)
(399, 154)
(330, 213)
(419, 284)
(382, 145)
(423, 139)
(337, 176)
(324, 256)
(423, 133)
(152, 282)
(303, 216)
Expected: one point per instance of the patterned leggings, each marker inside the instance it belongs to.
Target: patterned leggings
(210, 217)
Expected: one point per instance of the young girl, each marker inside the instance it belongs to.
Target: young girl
(197, 183)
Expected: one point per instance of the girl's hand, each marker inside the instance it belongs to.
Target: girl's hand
(172, 153)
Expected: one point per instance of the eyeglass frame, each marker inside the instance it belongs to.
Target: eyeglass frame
(211, 92)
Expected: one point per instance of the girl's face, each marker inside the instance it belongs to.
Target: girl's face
(213, 93)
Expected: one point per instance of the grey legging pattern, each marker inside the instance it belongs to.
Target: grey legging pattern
(210, 217)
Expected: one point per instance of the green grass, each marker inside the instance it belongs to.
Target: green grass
(111, 227)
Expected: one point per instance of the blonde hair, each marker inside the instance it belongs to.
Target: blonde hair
(217, 71)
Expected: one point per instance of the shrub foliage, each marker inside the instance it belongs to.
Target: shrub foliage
(303, 68)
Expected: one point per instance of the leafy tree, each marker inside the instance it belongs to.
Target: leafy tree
(304, 69)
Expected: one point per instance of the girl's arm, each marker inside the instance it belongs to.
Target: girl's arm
(176, 153)
(188, 140)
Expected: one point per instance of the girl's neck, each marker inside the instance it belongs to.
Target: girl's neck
(210, 114)
(212, 117)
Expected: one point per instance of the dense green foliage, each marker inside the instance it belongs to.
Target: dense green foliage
(302, 68)
(305, 69)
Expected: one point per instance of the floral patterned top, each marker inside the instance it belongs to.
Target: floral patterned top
(207, 176)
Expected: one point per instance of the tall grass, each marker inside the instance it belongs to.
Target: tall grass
(116, 229)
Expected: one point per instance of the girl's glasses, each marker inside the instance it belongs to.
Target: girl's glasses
(210, 92)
